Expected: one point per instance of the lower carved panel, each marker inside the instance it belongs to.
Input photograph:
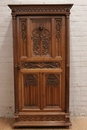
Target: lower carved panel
(42, 118)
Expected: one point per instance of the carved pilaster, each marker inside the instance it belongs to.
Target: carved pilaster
(15, 61)
(67, 63)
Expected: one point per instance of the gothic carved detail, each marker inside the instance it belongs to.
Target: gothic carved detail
(46, 42)
(36, 41)
(41, 39)
(53, 79)
(23, 30)
(30, 80)
(30, 65)
(41, 118)
(58, 29)
(41, 9)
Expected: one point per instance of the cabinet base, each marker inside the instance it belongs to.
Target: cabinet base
(40, 119)
(40, 123)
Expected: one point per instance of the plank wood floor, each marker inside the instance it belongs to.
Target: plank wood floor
(78, 123)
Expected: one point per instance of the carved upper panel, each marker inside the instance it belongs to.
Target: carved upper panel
(30, 65)
(41, 41)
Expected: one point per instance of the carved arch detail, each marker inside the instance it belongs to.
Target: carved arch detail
(41, 41)
(30, 79)
(52, 79)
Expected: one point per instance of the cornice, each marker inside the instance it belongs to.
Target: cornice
(41, 8)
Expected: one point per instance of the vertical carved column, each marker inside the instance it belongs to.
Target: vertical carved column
(67, 64)
(15, 62)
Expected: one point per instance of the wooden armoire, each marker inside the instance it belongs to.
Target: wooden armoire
(41, 64)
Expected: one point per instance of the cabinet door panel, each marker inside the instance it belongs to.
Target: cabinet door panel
(29, 91)
(41, 57)
(53, 91)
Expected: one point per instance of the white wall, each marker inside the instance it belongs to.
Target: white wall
(78, 56)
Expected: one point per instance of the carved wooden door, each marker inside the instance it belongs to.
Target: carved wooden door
(41, 59)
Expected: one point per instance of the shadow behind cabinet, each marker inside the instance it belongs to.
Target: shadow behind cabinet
(41, 64)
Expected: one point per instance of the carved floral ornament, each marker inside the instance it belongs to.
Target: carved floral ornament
(35, 65)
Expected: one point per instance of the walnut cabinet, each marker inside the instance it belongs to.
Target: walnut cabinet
(41, 64)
